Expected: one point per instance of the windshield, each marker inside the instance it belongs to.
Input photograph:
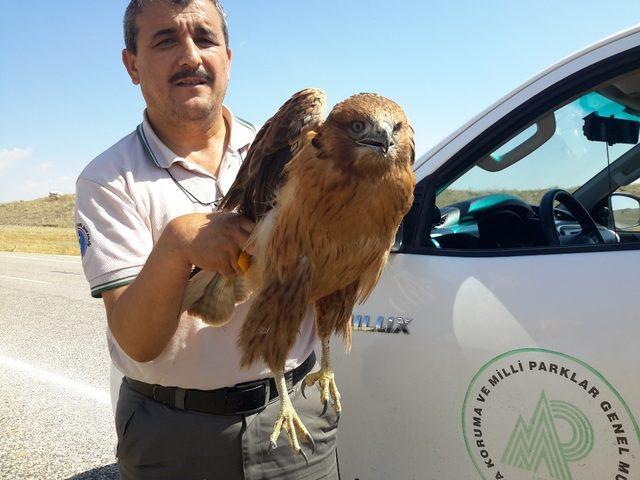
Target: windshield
(533, 161)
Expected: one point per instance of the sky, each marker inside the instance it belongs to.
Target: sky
(65, 96)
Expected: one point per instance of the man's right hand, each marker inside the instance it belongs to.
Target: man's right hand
(144, 316)
(212, 241)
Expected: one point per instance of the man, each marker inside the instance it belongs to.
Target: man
(146, 215)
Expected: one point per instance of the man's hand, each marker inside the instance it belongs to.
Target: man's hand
(212, 241)
(144, 316)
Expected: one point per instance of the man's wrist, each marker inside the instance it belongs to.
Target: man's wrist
(172, 246)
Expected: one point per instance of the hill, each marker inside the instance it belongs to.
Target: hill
(45, 225)
(43, 212)
(532, 197)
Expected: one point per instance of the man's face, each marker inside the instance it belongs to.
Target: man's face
(182, 62)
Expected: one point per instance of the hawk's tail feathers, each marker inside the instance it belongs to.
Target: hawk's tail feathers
(216, 305)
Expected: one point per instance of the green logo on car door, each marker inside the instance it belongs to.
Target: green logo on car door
(535, 414)
(536, 446)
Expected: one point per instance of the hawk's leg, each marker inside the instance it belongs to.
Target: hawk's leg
(326, 381)
(289, 420)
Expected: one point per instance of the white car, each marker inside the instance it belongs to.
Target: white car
(503, 340)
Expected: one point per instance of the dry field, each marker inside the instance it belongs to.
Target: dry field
(45, 225)
(51, 240)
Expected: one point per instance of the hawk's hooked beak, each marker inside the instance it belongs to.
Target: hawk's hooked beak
(381, 139)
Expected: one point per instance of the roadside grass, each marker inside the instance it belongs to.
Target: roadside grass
(45, 225)
(43, 212)
(49, 240)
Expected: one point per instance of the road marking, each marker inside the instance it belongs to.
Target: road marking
(23, 279)
(91, 393)
(73, 260)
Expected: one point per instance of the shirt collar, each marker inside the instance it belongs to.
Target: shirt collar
(164, 157)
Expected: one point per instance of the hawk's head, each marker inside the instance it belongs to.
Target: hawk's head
(367, 134)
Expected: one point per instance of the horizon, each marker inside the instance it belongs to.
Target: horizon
(69, 98)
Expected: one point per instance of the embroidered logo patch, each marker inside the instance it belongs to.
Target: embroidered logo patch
(84, 238)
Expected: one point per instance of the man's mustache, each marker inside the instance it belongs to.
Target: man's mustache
(200, 73)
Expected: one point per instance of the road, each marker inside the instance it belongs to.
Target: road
(56, 420)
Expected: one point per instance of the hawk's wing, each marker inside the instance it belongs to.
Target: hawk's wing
(255, 188)
(261, 174)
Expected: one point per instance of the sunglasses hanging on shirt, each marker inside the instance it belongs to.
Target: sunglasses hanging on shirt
(190, 195)
(152, 157)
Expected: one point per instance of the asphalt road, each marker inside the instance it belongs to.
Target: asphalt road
(56, 420)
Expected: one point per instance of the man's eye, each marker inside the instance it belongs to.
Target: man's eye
(165, 42)
(206, 41)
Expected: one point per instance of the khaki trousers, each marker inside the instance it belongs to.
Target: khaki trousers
(159, 442)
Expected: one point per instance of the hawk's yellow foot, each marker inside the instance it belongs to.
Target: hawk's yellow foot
(290, 421)
(326, 381)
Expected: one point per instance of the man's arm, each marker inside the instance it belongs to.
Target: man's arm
(144, 316)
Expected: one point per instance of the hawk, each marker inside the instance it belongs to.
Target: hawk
(327, 197)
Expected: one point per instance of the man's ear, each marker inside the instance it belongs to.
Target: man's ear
(229, 56)
(129, 60)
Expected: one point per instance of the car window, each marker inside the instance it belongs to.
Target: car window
(588, 147)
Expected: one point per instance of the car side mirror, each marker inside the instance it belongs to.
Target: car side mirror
(626, 211)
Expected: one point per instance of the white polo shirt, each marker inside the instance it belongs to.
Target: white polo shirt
(124, 199)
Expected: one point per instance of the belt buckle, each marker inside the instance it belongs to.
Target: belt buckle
(153, 394)
(248, 386)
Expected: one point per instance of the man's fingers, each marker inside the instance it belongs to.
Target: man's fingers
(246, 224)
(250, 248)
(241, 236)
(237, 269)
(221, 240)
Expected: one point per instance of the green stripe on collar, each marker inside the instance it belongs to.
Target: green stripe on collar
(249, 125)
(145, 145)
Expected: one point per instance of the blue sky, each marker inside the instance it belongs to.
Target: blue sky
(65, 97)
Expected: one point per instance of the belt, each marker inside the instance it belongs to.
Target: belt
(242, 399)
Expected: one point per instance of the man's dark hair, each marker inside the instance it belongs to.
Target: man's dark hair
(135, 7)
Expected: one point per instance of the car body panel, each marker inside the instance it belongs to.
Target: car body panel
(408, 397)
(402, 394)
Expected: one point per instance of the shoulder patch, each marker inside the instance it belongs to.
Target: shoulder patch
(84, 238)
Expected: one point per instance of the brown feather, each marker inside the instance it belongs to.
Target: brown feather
(327, 209)
(262, 172)
(338, 205)
(275, 317)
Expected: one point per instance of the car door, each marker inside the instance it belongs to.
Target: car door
(491, 353)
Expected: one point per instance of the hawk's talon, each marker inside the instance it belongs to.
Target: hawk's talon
(304, 386)
(325, 379)
(312, 442)
(290, 422)
(304, 455)
(272, 447)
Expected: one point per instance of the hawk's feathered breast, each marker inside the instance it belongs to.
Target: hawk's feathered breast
(328, 197)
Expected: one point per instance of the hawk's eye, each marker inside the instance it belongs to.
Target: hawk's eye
(397, 128)
(357, 126)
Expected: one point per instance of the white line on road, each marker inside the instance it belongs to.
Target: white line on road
(73, 260)
(99, 396)
(23, 279)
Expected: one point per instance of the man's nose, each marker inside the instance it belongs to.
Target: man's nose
(189, 54)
